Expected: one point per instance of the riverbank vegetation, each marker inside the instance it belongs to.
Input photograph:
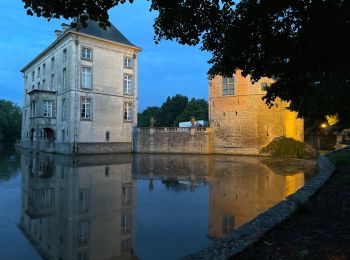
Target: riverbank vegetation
(10, 121)
(288, 147)
(341, 157)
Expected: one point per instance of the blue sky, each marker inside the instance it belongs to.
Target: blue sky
(164, 69)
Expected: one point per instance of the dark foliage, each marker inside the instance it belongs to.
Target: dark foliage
(302, 44)
(10, 121)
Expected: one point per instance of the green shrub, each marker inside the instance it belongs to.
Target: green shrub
(288, 147)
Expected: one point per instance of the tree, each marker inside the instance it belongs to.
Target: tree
(302, 44)
(145, 117)
(10, 121)
(195, 107)
(170, 110)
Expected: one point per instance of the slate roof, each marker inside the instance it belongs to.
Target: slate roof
(111, 33)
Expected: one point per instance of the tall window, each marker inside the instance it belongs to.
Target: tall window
(86, 77)
(127, 62)
(38, 74)
(127, 83)
(44, 69)
(228, 224)
(33, 75)
(127, 111)
(64, 54)
(86, 53)
(228, 87)
(52, 83)
(44, 84)
(84, 200)
(64, 108)
(85, 108)
(47, 108)
(126, 193)
(126, 222)
(52, 63)
(64, 78)
(83, 232)
(33, 108)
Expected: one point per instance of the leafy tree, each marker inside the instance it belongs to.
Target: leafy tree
(302, 44)
(195, 107)
(10, 121)
(171, 109)
(145, 117)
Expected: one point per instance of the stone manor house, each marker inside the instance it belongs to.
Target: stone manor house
(80, 93)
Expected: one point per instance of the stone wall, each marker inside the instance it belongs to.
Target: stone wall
(197, 140)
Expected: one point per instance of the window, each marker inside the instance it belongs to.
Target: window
(52, 83)
(44, 85)
(84, 200)
(63, 134)
(264, 86)
(33, 75)
(33, 109)
(44, 69)
(126, 222)
(64, 78)
(64, 55)
(38, 74)
(107, 136)
(126, 244)
(227, 86)
(127, 62)
(86, 53)
(47, 108)
(127, 84)
(63, 109)
(127, 111)
(83, 232)
(228, 224)
(46, 197)
(86, 77)
(86, 108)
(38, 85)
(126, 193)
(52, 63)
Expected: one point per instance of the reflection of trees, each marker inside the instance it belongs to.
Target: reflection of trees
(9, 162)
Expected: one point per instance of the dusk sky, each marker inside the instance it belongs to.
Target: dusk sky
(164, 69)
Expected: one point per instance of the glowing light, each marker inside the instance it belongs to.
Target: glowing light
(323, 125)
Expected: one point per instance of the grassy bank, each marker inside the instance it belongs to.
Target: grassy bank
(341, 157)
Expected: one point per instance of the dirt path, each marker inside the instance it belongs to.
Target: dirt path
(318, 230)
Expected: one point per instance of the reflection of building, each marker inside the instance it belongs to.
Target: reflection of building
(240, 189)
(241, 121)
(80, 93)
(78, 210)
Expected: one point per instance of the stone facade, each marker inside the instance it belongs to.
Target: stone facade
(241, 121)
(81, 90)
(195, 140)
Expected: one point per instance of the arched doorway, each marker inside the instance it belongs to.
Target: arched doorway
(49, 137)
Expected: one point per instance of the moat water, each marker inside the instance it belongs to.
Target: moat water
(133, 206)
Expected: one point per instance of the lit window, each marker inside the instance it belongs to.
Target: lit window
(228, 86)
(64, 78)
(86, 53)
(85, 108)
(127, 111)
(86, 77)
(64, 55)
(64, 108)
(127, 62)
(47, 108)
(127, 84)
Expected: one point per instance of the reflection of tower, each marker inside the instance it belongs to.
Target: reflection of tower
(82, 212)
(240, 189)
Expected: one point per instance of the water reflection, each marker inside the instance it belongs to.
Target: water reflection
(128, 207)
(82, 209)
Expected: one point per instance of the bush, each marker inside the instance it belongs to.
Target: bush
(288, 147)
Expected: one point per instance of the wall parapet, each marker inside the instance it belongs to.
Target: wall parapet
(172, 129)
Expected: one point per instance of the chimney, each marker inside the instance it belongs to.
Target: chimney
(58, 33)
(65, 27)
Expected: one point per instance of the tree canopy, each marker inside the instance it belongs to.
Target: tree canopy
(302, 44)
(174, 110)
(10, 121)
